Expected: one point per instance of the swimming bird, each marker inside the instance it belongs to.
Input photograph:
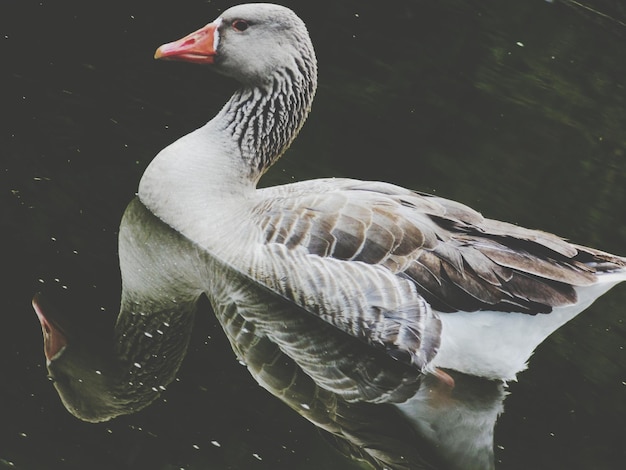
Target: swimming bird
(426, 280)
(429, 280)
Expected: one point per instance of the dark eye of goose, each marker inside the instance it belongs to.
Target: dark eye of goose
(240, 25)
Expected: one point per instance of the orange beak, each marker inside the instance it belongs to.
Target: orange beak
(54, 339)
(198, 47)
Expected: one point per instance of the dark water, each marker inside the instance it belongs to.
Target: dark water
(515, 108)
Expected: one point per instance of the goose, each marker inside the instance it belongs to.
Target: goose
(428, 280)
(424, 280)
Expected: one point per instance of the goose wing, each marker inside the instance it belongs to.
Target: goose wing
(373, 258)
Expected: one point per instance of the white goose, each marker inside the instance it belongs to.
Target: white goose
(427, 279)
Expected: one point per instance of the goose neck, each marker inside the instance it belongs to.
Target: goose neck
(150, 342)
(262, 120)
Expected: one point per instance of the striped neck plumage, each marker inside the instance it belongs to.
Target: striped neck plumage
(265, 118)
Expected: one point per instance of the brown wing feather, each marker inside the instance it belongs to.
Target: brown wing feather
(457, 259)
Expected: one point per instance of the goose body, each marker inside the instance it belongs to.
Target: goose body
(328, 279)
(429, 280)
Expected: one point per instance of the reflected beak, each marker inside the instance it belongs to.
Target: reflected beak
(198, 47)
(54, 339)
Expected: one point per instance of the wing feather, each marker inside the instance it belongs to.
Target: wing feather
(455, 258)
(366, 301)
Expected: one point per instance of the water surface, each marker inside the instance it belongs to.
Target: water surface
(515, 108)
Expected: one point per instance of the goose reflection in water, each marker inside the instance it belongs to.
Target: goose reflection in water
(345, 298)
(371, 407)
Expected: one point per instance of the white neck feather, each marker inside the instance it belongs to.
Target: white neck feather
(221, 162)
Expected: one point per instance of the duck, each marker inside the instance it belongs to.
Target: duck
(430, 281)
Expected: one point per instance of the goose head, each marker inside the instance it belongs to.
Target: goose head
(78, 364)
(267, 49)
(248, 42)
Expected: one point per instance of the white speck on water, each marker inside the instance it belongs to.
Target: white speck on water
(23, 434)
(196, 446)
(159, 332)
(149, 335)
(137, 365)
(305, 406)
(519, 43)
(257, 456)
(99, 372)
(166, 323)
(216, 444)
